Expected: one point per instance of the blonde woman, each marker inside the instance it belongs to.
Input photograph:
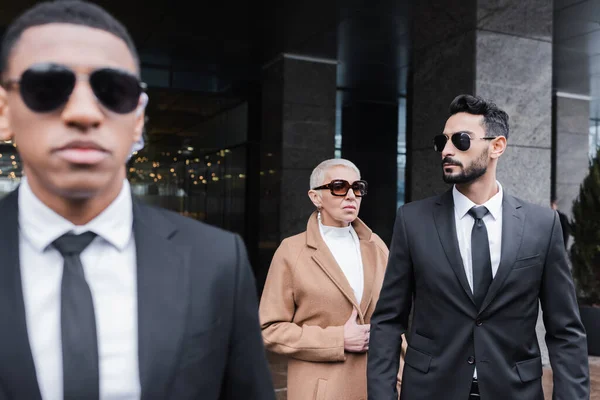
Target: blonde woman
(322, 288)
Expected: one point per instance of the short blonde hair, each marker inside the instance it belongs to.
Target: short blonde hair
(318, 174)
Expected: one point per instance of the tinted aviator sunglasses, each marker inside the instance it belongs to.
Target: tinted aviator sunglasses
(47, 87)
(460, 140)
(340, 187)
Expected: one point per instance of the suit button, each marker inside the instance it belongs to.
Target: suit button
(478, 322)
(471, 360)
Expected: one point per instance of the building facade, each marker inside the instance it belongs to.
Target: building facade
(246, 99)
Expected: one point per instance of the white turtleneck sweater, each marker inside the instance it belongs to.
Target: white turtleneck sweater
(345, 247)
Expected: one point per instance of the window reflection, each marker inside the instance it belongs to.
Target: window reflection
(338, 125)
(401, 143)
(10, 168)
(401, 160)
(206, 186)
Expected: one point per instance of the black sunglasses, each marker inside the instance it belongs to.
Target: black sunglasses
(47, 87)
(340, 187)
(460, 140)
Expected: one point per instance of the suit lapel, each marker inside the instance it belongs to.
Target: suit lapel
(513, 223)
(162, 304)
(446, 227)
(17, 368)
(163, 297)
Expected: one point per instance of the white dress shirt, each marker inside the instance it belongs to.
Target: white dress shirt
(345, 247)
(464, 226)
(109, 264)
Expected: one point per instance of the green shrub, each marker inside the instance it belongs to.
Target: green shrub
(585, 252)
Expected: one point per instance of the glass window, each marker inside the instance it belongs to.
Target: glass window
(10, 168)
(207, 187)
(401, 185)
(401, 159)
(338, 125)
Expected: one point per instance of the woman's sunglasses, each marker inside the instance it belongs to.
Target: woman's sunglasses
(340, 187)
(46, 87)
(460, 140)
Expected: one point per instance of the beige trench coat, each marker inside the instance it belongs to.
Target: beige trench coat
(304, 306)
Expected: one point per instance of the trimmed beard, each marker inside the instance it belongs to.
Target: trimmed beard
(474, 171)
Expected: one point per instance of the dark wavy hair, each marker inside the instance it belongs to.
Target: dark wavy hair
(75, 12)
(495, 120)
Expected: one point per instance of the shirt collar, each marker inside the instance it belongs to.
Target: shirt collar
(462, 204)
(41, 225)
(334, 231)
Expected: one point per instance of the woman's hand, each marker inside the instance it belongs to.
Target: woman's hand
(356, 337)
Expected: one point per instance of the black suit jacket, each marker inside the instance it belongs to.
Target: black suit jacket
(199, 336)
(566, 226)
(449, 336)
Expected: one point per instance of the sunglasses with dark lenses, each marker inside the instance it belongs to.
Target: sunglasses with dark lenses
(46, 87)
(460, 140)
(340, 187)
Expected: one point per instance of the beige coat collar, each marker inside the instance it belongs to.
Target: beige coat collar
(324, 258)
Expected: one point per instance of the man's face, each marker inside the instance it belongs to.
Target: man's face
(80, 149)
(459, 167)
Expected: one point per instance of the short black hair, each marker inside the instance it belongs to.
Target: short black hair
(495, 120)
(75, 12)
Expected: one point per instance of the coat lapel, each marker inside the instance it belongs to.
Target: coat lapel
(446, 227)
(325, 260)
(17, 368)
(367, 251)
(513, 224)
(163, 297)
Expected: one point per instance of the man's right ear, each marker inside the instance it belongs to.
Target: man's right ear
(6, 133)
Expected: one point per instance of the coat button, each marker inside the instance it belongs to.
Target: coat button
(478, 322)
(471, 360)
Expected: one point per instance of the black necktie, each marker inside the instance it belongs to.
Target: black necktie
(78, 323)
(480, 253)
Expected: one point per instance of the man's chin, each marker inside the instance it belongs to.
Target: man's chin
(77, 192)
(458, 179)
(451, 178)
(81, 186)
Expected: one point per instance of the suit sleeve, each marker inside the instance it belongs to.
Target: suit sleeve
(565, 335)
(390, 319)
(384, 249)
(277, 308)
(248, 375)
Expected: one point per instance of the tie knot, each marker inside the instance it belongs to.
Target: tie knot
(70, 244)
(478, 212)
